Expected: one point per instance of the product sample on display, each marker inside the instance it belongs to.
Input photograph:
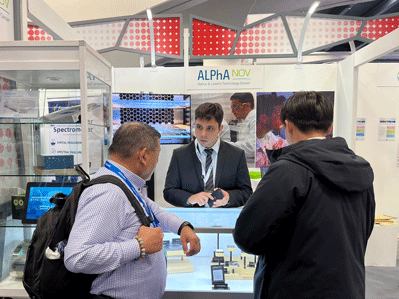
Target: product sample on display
(175, 255)
(235, 268)
(68, 115)
(218, 281)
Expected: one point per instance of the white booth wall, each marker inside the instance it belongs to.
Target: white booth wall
(277, 78)
(378, 97)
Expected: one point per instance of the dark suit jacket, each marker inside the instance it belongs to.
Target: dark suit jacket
(184, 177)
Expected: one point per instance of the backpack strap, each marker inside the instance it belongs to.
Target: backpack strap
(147, 220)
(83, 174)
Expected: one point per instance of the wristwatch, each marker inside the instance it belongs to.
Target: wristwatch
(185, 223)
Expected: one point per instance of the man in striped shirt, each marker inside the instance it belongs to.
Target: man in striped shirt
(108, 237)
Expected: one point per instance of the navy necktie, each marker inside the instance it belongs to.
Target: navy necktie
(209, 183)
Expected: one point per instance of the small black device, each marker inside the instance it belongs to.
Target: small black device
(218, 281)
(217, 194)
(17, 207)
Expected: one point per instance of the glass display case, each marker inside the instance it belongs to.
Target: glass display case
(190, 277)
(55, 102)
(55, 107)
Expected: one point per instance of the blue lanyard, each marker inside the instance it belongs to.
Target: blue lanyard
(148, 209)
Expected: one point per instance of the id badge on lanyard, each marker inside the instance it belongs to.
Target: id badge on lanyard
(148, 209)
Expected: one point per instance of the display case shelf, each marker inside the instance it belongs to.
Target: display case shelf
(38, 172)
(16, 223)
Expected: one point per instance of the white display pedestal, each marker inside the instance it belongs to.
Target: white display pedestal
(382, 246)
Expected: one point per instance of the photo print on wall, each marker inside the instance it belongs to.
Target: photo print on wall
(239, 119)
(270, 132)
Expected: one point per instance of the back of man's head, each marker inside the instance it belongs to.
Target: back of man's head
(133, 136)
(244, 97)
(308, 111)
(208, 111)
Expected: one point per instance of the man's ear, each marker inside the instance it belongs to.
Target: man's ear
(142, 155)
(220, 128)
(330, 129)
(289, 126)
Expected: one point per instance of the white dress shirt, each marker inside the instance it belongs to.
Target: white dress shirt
(247, 137)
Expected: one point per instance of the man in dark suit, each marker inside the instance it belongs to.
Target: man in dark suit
(207, 164)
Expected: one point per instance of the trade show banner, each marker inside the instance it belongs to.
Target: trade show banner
(224, 77)
(6, 20)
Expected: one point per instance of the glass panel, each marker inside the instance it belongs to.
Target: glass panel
(99, 100)
(199, 217)
(97, 152)
(39, 134)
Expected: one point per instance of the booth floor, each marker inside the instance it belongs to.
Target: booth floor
(382, 282)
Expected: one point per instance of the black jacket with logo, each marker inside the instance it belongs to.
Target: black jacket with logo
(309, 221)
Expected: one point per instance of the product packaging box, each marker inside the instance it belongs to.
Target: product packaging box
(55, 161)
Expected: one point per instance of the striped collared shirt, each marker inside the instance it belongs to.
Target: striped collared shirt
(102, 241)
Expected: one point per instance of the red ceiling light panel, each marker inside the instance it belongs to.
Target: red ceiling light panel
(211, 40)
(166, 34)
(374, 29)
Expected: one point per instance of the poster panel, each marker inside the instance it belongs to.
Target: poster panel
(6, 20)
(239, 119)
(386, 129)
(270, 132)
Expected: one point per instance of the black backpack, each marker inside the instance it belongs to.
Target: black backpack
(48, 278)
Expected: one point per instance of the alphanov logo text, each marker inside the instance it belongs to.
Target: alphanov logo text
(224, 77)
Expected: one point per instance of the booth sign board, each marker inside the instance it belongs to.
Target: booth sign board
(224, 77)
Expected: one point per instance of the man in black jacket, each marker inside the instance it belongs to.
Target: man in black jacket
(312, 213)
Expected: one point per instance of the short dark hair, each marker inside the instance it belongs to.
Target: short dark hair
(308, 111)
(244, 97)
(133, 136)
(266, 104)
(208, 111)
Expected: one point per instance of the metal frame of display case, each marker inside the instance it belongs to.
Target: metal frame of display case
(75, 67)
(60, 56)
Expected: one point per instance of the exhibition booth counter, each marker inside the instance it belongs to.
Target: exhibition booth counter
(188, 277)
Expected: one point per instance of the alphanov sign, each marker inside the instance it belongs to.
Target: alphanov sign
(224, 77)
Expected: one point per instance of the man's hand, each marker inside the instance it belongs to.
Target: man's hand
(187, 235)
(152, 238)
(222, 202)
(200, 198)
